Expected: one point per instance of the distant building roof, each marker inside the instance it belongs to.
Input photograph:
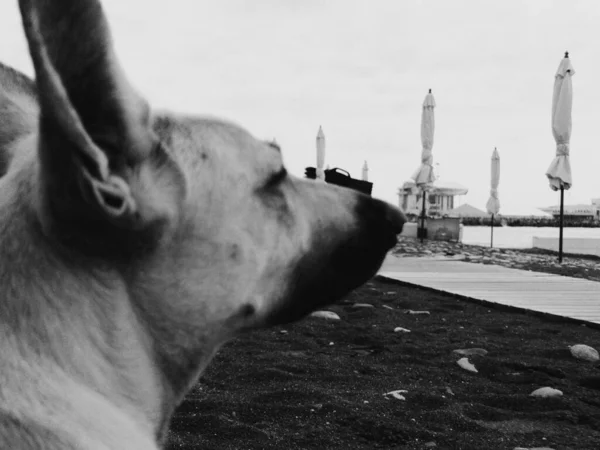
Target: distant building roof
(467, 210)
(572, 210)
(523, 211)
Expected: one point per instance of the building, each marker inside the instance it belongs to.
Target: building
(580, 211)
(440, 197)
(520, 211)
(466, 210)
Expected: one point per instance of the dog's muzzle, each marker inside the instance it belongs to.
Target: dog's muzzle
(329, 272)
(380, 223)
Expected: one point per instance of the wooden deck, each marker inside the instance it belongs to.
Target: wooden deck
(551, 294)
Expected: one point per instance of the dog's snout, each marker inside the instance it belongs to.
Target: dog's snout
(331, 271)
(380, 219)
(396, 218)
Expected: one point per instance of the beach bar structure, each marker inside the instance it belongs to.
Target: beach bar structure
(439, 202)
(581, 211)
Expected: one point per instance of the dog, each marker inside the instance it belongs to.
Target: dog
(135, 242)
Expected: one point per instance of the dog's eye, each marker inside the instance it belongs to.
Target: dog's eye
(275, 179)
(274, 144)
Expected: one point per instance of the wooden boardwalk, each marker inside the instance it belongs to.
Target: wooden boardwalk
(542, 292)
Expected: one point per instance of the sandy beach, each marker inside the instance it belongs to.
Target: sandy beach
(454, 375)
(381, 377)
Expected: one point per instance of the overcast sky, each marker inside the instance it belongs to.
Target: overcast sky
(361, 69)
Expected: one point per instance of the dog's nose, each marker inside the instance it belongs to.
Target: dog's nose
(395, 217)
(380, 220)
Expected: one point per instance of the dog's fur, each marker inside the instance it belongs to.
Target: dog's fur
(134, 243)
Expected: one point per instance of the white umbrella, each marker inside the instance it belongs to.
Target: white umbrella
(365, 172)
(493, 204)
(424, 176)
(320, 154)
(559, 172)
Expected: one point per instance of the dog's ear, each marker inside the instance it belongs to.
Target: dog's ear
(18, 112)
(96, 141)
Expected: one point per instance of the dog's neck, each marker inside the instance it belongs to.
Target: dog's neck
(91, 335)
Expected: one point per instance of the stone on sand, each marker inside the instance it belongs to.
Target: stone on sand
(465, 364)
(471, 351)
(397, 394)
(362, 305)
(328, 315)
(401, 330)
(585, 352)
(545, 392)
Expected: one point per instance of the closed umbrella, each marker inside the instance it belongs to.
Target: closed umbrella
(320, 154)
(559, 172)
(493, 204)
(424, 175)
(365, 172)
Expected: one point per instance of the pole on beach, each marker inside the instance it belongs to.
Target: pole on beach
(492, 236)
(560, 232)
(423, 218)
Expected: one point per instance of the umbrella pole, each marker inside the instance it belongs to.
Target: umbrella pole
(560, 233)
(423, 218)
(492, 237)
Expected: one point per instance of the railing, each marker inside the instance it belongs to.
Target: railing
(531, 221)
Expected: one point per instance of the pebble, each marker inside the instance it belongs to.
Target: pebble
(397, 394)
(471, 351)
(401, 330)
(362, 305)
(329, 315)
(533, 448)
(585, 352)
(465, 364)
(545, 392)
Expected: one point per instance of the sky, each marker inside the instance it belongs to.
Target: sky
(361, 69)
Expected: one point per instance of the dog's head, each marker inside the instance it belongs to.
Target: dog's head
(208, 231)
